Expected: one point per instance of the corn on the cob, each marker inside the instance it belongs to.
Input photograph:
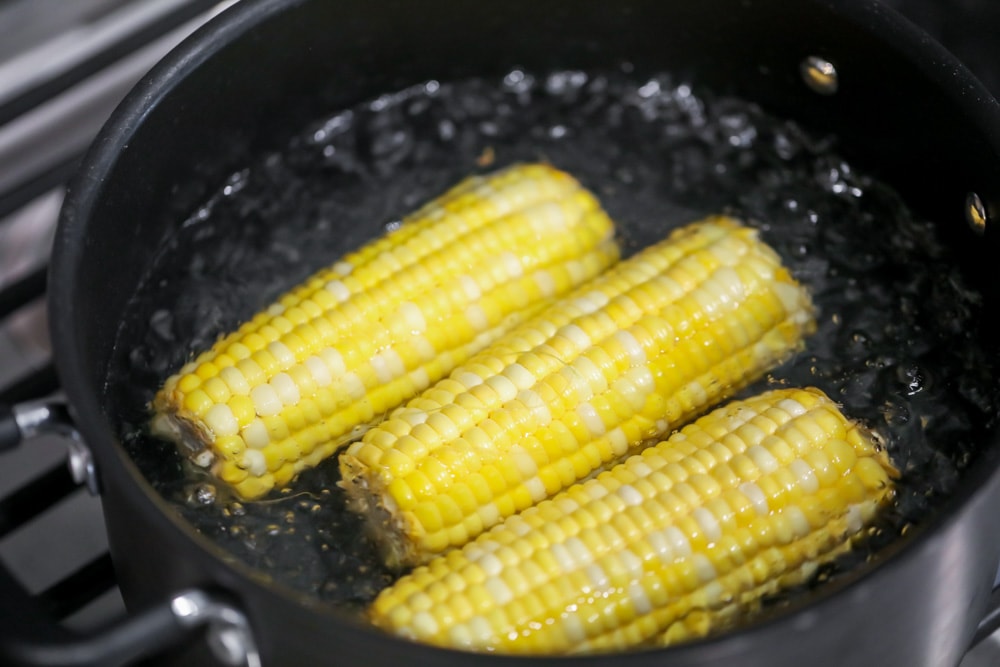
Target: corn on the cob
(671, 544)
(632, 355)
(290, 386)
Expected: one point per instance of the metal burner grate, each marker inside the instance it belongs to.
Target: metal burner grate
(62, 71)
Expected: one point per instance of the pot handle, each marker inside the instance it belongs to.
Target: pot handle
(10, 432)
(30, 638)
(21, 421)
(27, 639)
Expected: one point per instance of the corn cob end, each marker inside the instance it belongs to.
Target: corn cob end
(169, 425)
(383, 522)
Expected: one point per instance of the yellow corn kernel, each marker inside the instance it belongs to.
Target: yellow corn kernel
(588, 379)
(551, 580)
(384, 322)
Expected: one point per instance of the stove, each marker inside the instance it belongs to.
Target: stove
(63, 68)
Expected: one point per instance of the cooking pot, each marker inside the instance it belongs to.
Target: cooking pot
(902, 106)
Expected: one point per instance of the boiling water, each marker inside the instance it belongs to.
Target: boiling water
(893, 346)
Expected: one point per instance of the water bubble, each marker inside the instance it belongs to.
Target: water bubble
(513, 78)
(380, 103)
(204, 494)
(161, 323)
(858, 344)
(446, 130)
(235, 183)
(418, 106)
(202, 214)
(739, 131)
(879, 362)
(392, 145)
(785, 146)
(649, 89)
(915, 379)
(597, 86)
(624, 175)
(235, 509)
(895, 414)
(559, 83)
(333, 126)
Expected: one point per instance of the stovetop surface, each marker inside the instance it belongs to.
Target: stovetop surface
(74, 61)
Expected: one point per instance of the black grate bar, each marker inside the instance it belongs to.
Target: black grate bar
(78, 589)
(37, 383)
(48, 89)
(56, 176)
(23, 291)
(38, 495)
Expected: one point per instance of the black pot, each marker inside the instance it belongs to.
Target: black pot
(262, 69)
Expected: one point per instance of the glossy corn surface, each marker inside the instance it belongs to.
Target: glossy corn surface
(645, 347)
(676, 542)
(355, 340)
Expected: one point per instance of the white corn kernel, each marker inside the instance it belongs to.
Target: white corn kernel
(265, 400)
(255, 434)
(318, 370)
(221, 420)
(282, 354)
(254, 461)
(339, 290)
(285, 388)
(235, 380)
(807, 478)
(591, 419)
(476, 316)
